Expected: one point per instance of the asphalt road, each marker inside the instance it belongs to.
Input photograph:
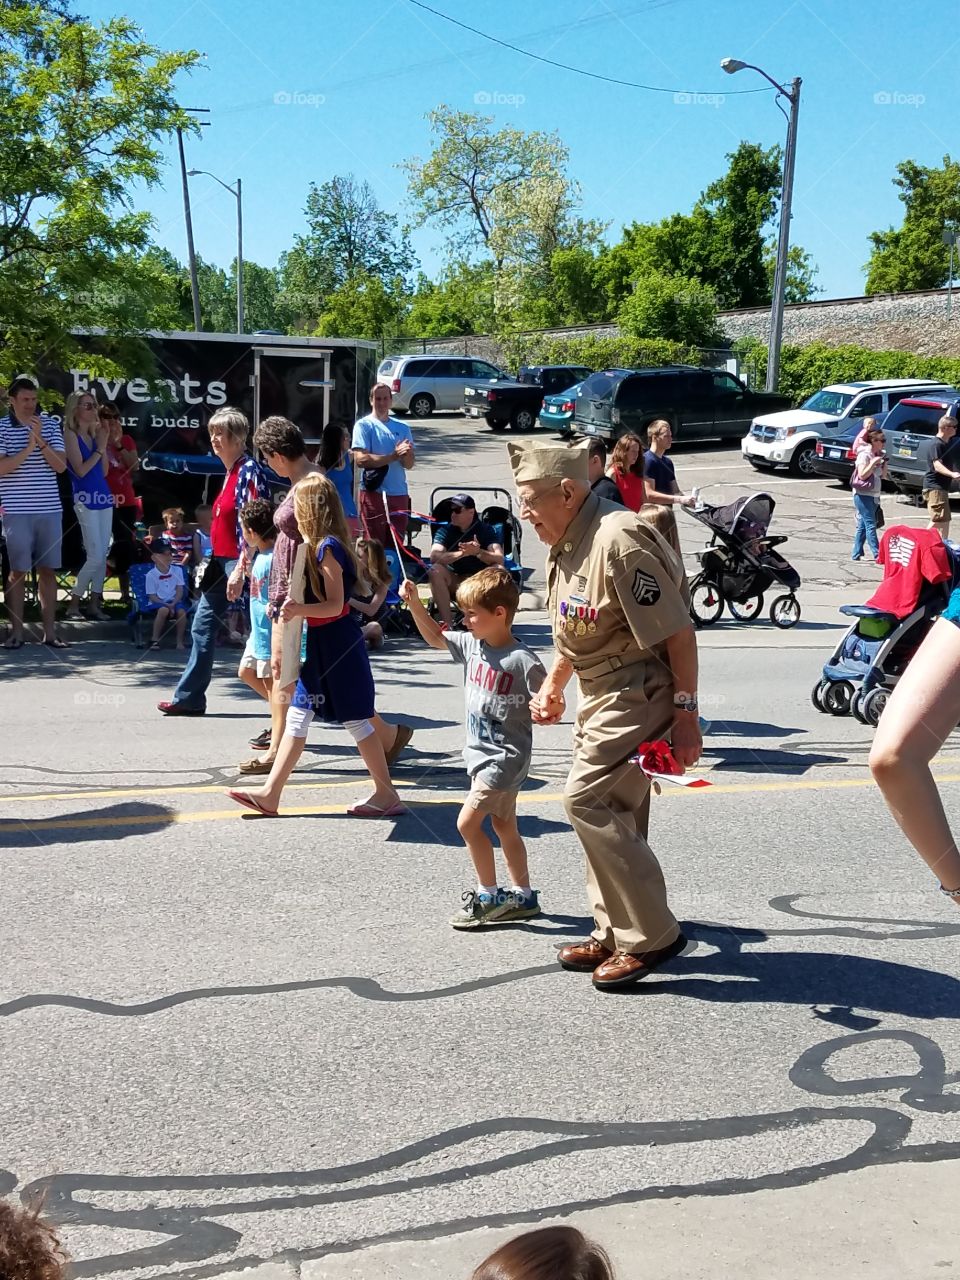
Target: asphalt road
(229, 1042)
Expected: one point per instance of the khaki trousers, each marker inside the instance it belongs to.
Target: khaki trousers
(607, 800)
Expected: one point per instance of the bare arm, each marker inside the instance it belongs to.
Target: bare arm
(429, 629)
(332, 607)
(548, 706)
(364, 459)
(370, 607)
(686, 738)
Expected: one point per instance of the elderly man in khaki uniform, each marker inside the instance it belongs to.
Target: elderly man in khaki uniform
(621, 623)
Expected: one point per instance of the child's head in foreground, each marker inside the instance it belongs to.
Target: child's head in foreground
(489, 599)
(29, 1248)
(551, 1253)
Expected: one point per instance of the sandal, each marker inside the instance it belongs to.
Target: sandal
(56, 643)
(251, 802)
(13, 644)
(374, 811)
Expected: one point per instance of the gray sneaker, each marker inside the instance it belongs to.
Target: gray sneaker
(515, 906)
(478, 909)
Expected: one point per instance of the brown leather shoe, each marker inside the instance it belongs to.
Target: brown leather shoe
(624, 967)
(583, 957)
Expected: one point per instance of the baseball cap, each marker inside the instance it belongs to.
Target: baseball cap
(462, 500)
(160, 547)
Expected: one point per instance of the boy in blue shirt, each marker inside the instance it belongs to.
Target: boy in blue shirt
(256, 520)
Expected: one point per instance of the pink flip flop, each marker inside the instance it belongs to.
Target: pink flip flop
(374, 811)
(251, 802)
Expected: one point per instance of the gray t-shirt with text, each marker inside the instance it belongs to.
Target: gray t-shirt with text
(498, 686)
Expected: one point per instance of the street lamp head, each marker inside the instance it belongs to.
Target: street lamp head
(192, 173)
(732, 65)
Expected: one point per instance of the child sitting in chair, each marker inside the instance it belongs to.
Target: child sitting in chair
(370, 603)
(166, 588)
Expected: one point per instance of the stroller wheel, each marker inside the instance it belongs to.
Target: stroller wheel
(746, 610)
(785, 612)
(706, 601)
(817, 692)
(837, 698)
(856, 706)
(873, 705)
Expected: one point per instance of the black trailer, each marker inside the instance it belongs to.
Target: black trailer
(311, 381)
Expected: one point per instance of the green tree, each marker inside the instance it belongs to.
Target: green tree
(461, 301)
(675, 308)
(801, 272)
(913, 256)
(348, 236)
(363, 307)
(84, 108)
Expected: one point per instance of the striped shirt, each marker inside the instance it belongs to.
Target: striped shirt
(32, 489)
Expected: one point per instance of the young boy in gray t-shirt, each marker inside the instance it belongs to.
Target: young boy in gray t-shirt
(500, 677)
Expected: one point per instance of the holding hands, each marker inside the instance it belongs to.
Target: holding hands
(547, 706)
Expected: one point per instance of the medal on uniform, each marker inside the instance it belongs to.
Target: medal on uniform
(563, 615)
(592, 624)
(581, 624)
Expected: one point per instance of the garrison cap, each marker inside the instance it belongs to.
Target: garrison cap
(531, 462)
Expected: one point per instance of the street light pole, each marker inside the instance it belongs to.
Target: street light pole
(237, 193)
(732, 65)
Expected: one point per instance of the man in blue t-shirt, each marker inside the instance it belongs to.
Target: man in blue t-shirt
(383, 450)
(31, 457)
(460, 549)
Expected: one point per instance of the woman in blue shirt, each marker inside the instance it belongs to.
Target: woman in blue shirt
(85, 440)
(336, 461)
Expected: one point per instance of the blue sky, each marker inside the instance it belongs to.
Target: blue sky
(878, 88)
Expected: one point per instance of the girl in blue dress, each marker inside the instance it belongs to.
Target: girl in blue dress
(335, 683)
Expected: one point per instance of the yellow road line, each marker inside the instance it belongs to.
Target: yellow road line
(120, 793)
(532, 798)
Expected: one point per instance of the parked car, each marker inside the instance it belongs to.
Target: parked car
(516, 403)
(834, 455)
(907, 426)
(558, 411)
(789, 439)
(421, 384)
(698, 403)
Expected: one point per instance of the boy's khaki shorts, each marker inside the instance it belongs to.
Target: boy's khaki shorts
(938, 504)
(499, 804)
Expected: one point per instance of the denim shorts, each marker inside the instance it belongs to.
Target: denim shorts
(952, 612)
(33, 541)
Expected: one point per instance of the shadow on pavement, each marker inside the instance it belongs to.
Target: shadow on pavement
(113, 822)
(758, 760)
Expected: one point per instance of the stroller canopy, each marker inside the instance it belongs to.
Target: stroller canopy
(745, 519)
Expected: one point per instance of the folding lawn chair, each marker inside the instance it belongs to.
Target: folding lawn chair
(142, 609)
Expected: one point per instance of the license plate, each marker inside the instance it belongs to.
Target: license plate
(905, 453)
(588, 430)
(474, 412)
(835, 453)
(552, 409)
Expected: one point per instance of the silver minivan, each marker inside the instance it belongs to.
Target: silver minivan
(421, 384)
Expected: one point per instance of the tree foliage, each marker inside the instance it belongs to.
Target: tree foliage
(672, 307)
(348, 237)
(804, 370)
(84, 108)
(913, 256)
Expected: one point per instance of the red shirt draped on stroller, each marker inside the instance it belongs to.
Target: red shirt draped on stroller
(910, 557)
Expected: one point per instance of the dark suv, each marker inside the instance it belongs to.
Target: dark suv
(698, 403)
(906, 427)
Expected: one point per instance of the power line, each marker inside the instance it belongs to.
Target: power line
(565, 66)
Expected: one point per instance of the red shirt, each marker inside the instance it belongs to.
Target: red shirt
(631, 488)
(909, 557)
(118, 476)
(223, 526)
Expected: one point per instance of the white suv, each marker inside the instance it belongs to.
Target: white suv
(421, 384)
(789, 439)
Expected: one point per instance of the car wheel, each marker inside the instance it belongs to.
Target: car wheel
(706, 601)
(421, 406)
(522, 420)
(785, 612)
(804, 461)
(746, 610)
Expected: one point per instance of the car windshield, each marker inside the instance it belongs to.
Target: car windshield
(832, 402)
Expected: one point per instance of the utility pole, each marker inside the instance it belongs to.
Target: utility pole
(191, 252)
(239, 257)
(783, 241)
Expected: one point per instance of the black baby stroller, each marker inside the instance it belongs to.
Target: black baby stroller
(740, 564)
(863, 670)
